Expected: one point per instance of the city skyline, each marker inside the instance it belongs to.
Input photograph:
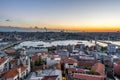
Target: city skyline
(73, 15)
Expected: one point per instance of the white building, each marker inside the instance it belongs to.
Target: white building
(53, 59)
(4, 64)
(25, 60)
(16, 73)
(77, 53)
(19, 70)
(69, 62)
(42, 74)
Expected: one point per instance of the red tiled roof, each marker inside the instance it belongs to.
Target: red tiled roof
(88, 77)
(13, 72)
(35, 57)
(13, 61)
(117, 67)
(42, 54)
(118, 61)
(68, 60)
(87, 63)
(74, 70)
(50, 77)
(99, 67)
(2, 60)
(10, 51)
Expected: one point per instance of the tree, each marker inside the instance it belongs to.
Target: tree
(103, 48)
(39, 62)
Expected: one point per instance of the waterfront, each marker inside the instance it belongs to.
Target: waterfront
(3, 43)
(53, 43)
(64, 43)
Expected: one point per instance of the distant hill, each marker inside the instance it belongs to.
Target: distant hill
(18, 29)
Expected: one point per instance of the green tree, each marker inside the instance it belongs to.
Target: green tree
(39, 62)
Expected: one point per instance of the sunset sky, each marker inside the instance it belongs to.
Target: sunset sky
(74, 15)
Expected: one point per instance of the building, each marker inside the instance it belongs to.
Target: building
(16, 73)
(63, 52)
(25, 61)
(78, 76)
(98, 47)
(99, 68)
(87, 63)
(2, 54)
(111, 48)
(17, 68)
(53, 59)
(55, 77)
(95, 72)
(69, 62)
(86, 57)
(117, 68)
(47, 74)
(4, 64)
(75, 70)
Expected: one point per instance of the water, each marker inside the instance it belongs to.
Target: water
(53, 43)
(3, 43)
(63, 42)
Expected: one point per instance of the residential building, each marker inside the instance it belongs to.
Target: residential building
(69, 62)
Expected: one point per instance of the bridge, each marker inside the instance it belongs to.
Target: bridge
(10, 45)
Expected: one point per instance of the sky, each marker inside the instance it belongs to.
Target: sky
(73, 15)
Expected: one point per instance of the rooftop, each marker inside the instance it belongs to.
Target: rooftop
(99, 67)
(9, 51)
(13, 72)
(87, 77)
(68, 60)
(2, 60)
(75, 70)
(50, 77)
(87, 63)
(47, 73)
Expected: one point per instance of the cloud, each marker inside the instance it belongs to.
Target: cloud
(8, 20)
